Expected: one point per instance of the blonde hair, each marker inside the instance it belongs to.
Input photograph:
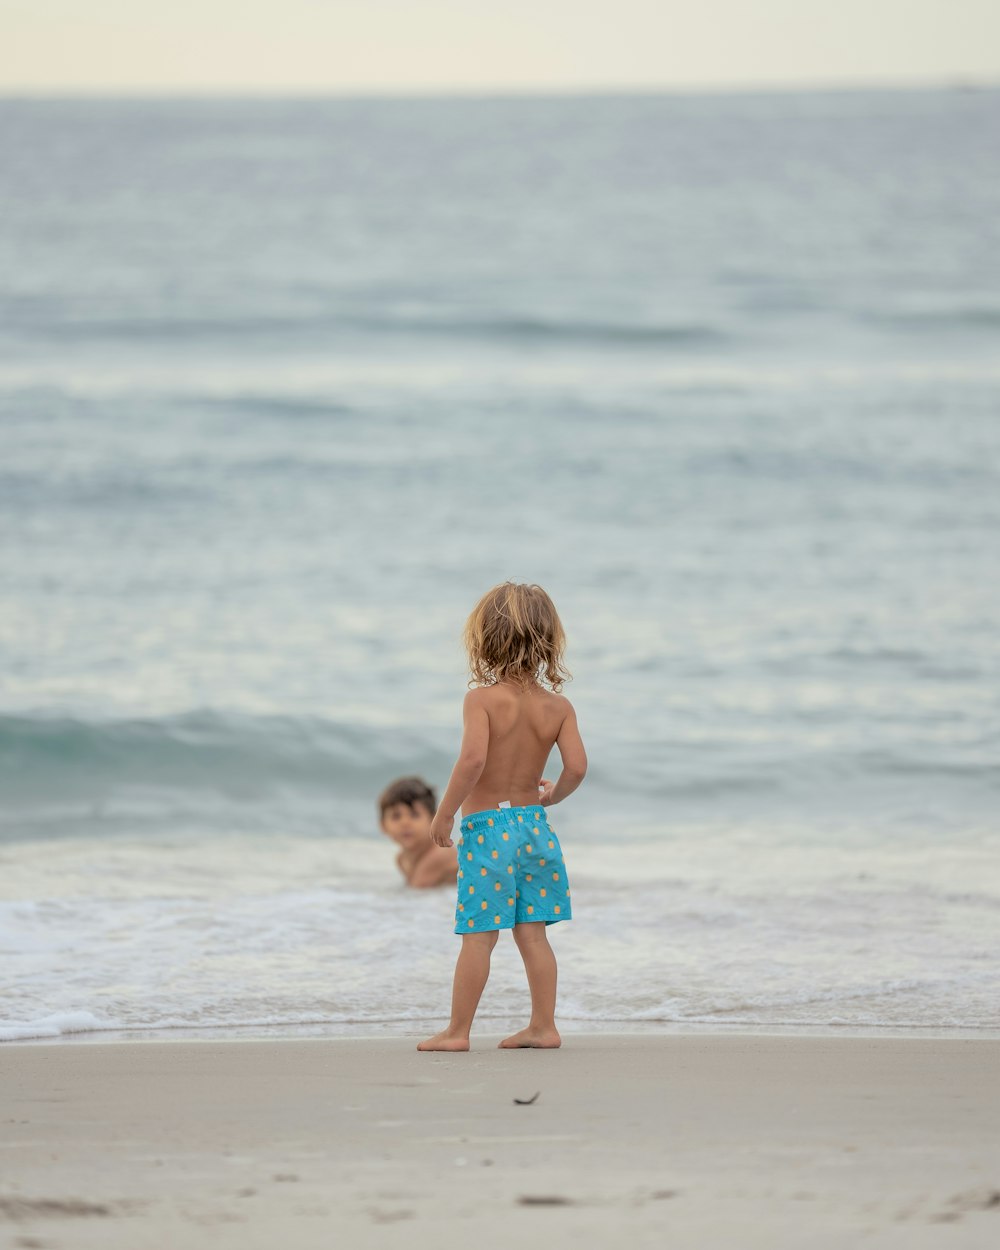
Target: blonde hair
(515, 632)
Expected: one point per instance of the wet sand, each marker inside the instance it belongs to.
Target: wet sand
(705, 1141)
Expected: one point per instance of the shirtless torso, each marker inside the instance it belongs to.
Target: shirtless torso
(524, 724)
(510, 728)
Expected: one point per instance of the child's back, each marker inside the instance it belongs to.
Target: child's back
(524, 724)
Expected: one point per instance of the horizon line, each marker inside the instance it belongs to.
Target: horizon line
(952, 82)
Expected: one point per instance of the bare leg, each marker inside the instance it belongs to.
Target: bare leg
(540, 965)
(471, 974)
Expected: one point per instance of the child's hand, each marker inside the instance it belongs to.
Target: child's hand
(545, 788)
(441, 830)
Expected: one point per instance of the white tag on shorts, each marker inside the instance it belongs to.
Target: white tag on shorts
(505, 803)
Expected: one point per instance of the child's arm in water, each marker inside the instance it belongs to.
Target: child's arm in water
(405, 861)
(468, 768)
(574, 760)
(437, 866)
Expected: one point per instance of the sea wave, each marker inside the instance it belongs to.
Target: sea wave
(503, 328)
(64, 773)
(959, 318)
(45, 759)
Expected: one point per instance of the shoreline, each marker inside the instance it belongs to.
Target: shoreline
(404, 1029)
(756, 1141)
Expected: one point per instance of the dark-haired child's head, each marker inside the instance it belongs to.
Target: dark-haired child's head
(406, 809)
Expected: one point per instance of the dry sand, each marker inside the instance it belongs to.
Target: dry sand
(700, 1141)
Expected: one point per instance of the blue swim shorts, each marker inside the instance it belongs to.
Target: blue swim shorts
(510, 871)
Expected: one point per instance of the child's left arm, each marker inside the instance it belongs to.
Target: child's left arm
(468, 768)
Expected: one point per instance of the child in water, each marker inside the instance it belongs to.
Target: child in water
(406, 809)
(511, 873)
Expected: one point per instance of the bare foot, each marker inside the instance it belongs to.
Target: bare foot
(538, 1039)
(444, 1041)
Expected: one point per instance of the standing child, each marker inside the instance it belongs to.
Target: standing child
(511, 872)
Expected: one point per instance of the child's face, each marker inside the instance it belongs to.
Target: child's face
(408, 826)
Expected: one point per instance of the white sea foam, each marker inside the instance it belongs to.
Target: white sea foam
(54, 1025)
(232, 933)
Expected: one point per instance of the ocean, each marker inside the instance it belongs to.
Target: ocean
(285, 385)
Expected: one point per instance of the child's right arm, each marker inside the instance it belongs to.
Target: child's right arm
(468, 768)
(574, 760)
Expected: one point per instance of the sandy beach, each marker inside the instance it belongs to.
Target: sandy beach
(703, 1140)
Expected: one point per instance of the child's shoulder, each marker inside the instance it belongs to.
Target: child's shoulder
(503, 693)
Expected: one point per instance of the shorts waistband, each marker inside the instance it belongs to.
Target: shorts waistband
(497, 815)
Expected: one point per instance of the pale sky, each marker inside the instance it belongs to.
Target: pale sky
(400, 46)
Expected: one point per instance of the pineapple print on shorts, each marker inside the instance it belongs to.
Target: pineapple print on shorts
(513, 871)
